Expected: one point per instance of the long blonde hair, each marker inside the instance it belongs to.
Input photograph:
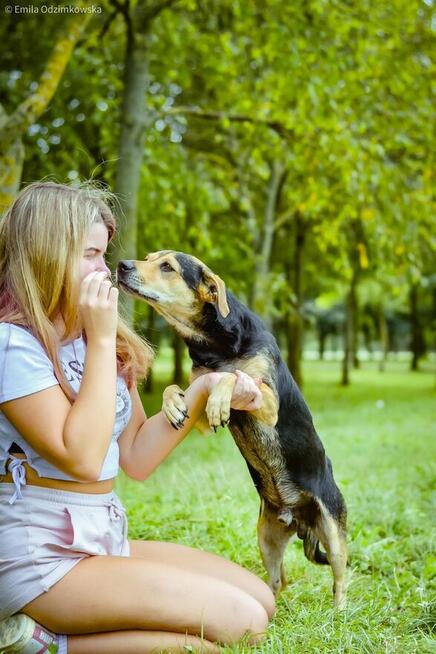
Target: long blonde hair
(42, 237)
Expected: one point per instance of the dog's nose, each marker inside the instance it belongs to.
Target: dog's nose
(126, 266)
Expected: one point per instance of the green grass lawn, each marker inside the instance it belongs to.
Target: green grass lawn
(380, 435)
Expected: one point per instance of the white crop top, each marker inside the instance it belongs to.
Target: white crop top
(25, 368)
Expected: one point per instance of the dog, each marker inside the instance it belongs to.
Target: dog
(285, 457)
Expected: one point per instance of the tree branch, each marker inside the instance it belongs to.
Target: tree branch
(275, 125)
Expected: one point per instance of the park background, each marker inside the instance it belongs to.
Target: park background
(290, 145)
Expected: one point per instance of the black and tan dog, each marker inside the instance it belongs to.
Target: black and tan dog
(283, 452)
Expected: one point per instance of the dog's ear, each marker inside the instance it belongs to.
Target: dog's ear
(212, 289)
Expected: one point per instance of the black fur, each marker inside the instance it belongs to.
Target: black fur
(243, 335)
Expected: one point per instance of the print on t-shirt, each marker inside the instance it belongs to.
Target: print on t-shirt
(73, 370)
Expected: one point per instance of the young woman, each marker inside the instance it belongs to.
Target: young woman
(70, 415)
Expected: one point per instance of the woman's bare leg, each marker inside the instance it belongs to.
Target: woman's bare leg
(199, 561)
(110, 593)
(137, 642)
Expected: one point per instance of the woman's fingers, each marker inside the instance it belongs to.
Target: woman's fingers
(90, 286)
(246, 394)
(255, 403)
(98, 305)
(104, 290)
(84, 286)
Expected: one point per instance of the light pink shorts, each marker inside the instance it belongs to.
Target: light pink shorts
(47, 532)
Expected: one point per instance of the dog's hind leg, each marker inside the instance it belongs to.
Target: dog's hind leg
(332, 537)
(273, 534)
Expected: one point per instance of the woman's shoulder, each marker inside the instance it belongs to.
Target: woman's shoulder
(25, 367)
(13, 336)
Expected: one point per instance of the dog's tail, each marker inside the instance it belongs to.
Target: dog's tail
(312, 550)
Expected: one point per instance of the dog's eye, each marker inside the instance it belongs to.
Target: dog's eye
(166, 267)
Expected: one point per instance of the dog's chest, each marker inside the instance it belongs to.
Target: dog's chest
(260, 447)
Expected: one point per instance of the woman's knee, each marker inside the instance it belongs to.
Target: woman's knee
(268, 600)
(249, 619)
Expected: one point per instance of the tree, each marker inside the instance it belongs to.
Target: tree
(13, 125)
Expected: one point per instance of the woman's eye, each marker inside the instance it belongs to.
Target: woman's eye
(166, 267)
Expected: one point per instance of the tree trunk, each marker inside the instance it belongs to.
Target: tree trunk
(322, 337)
(348, 331)
(354, 306)
(383, 336)
(417, 337)
(262, 299)
(295, 319)
(11, 168)
(131, 153)
(14, 126)
(133, 122)
(349, 327)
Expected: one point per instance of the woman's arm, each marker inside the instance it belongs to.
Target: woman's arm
(146, 442)
(75, 438)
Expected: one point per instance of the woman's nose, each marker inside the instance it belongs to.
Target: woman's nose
(103, 268)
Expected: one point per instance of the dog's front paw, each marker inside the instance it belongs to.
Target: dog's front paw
(173, 406)
(218, 410)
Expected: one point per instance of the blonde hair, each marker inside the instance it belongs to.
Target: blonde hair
(42, 237)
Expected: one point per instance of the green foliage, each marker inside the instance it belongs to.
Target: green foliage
(335, 92)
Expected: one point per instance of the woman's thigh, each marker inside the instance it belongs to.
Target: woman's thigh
(109, 593)
(199, 561)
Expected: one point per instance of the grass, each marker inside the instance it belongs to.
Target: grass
(378, 433)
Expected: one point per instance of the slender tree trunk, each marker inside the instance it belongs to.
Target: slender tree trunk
(417, 337)
(133, 121)
(354, 305)
(131, 153)
(383, 336)
(348, 331)
(322, 336)
(11, 168)
(434, 323)
(349, 327)
(295, 319)
(262, 300)
(14, 126)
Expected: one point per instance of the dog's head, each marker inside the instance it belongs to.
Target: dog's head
(177, 285)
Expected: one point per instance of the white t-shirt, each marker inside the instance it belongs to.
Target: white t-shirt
(25, 368)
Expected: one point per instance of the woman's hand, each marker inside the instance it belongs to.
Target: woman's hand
(246, 395)
(98, 306)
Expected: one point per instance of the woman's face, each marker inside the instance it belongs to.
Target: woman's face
(94, 251)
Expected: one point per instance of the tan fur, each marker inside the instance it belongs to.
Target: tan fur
(335, 545)
(218, 403)
(173, 404)
(273, 537)
(268, 412)
(212, 290)
(258, 367)
(217, 295)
